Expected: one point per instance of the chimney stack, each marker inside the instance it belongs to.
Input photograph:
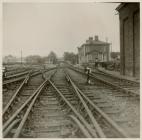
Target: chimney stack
(96, 38)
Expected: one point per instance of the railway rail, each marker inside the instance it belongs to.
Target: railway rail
(19, 74)
(15, 71)
(22, 95)
(137, 83)
(121, 108)
(18, 98)
(16, 78)
(18, 87)
(58, 108)
(126, 86)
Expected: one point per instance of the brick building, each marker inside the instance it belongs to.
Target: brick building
(129, 15)
(93, 50)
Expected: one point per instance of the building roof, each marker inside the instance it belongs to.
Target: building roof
(97, 42)
(94, 41)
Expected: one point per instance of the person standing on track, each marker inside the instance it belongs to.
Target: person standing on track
(4, 70)
(96, 63)
(88, 71)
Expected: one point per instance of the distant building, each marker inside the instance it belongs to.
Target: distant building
(129, 15)
(93, 50)
(49, 60)
(9, 59)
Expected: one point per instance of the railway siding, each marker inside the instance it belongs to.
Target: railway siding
(63, 106)
(126, 86)
(124, 110)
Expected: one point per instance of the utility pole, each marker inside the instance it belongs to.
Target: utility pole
(21, 57)
(110, 49)
(106, 39)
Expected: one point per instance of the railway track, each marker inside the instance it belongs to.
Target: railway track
(126, 86)
(17, 78)
(20, 108)
(121, 108)
(54, 116)
(116, 80)
(136, 83)
(16, 71)
(59, 109)
(19, 74)
(9, 90)
(15, 85)
(12, 91)
(21, 95)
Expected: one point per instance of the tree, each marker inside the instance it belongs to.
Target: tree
(70, 56)
(9, 59)
(52, 57)
(35, 59)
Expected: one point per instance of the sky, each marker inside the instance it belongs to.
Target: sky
(39, 28)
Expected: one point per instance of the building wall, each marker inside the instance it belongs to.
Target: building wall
(81, 54)
(85, 58)
(130, 39)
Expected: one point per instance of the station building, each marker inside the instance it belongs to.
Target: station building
(129, 16)
(93, 50)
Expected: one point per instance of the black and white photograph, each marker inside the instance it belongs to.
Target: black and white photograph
(70, 69)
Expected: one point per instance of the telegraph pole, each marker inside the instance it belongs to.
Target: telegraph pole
(21, 57)
(106, 39)
(110, 49)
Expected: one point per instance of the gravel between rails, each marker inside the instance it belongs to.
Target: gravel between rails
(127, 109)
(26, 91)
(49, 119)
(8, 92)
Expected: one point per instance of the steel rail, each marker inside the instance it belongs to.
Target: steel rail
(37, 92)
(15, 94)
(13, 80)
(16, 71)
(17, 91)
(116, 77)
(18, 130)
(116, 86)
(15, 122)
(110, 84)
(17, 75)
(80, 125)
(21, 108)
(107, 74)
(21, 78)
(97, 127)
(104, 115)
(90, 129)
(107, 118)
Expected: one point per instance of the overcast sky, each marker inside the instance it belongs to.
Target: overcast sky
(38, 28)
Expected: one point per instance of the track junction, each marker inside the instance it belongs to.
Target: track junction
(58, 103)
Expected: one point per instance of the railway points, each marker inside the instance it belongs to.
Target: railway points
(57, 103)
